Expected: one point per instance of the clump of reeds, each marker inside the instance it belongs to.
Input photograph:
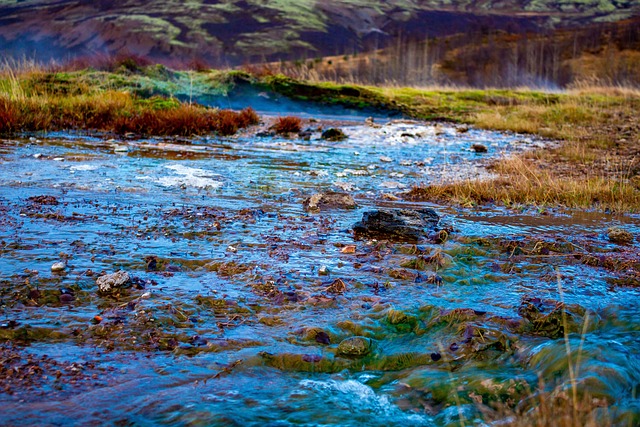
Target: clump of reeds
(288, 124)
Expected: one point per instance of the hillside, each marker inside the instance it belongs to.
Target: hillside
(221, 32)
(603, 54)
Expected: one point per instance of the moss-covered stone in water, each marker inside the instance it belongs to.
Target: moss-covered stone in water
(398, 317)
(355, 347)
(351, 327)
(228, 269)
(398, 362)
(28, 334)
(456, 316)
(549, 318)
(436, 261)
(402, 274)
(303, 362)
(318, 335)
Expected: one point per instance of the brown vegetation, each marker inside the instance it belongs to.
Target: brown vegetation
(120, 113)
(288, 124)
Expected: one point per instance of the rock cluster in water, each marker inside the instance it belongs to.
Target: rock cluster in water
(405, 225)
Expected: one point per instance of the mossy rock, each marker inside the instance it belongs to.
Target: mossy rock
(355, 347)
(293, 362)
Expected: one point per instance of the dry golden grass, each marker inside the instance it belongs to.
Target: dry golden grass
(521, 182)
(595, 164)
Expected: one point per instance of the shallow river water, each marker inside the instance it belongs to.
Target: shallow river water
(241, 298)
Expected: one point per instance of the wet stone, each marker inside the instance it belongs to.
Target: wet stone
(619, 235)
(110, 282)
(479, 148)
(405, 225)
(355, 347)
(334, 134)
(337, 287)
(329, 200)
(58, 266)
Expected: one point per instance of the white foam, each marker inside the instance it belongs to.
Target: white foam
(83, 167)
(360, 397)
(185, 176)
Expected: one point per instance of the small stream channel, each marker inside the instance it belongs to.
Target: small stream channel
(234, 319)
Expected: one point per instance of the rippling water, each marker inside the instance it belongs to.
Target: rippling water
(235, 325)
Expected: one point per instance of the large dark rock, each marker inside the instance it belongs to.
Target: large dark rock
(334, 134)
(329, 200)
(405, 225)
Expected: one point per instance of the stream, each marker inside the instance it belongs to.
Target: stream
(241, 299)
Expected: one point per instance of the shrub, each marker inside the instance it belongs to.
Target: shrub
(248, 117)
(287, 124)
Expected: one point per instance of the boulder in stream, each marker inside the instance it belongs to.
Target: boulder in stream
(329, 200)
(405, 225)
(110, 282)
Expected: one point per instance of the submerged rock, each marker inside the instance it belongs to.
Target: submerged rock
(619, 235)
(110, 282)
(334, 134)
(397, 224)
(549, 318)
(355, 347)
(329, 200)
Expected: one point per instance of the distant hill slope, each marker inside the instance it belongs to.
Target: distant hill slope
(236, 31)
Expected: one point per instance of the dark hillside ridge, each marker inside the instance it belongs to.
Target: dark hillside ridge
(233, 32)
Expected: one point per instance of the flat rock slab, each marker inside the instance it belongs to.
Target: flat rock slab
(329, 200)
(402, 225)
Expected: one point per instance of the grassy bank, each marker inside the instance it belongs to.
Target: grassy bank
(34, 100)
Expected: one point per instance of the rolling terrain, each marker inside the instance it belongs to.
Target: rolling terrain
(232, 32)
